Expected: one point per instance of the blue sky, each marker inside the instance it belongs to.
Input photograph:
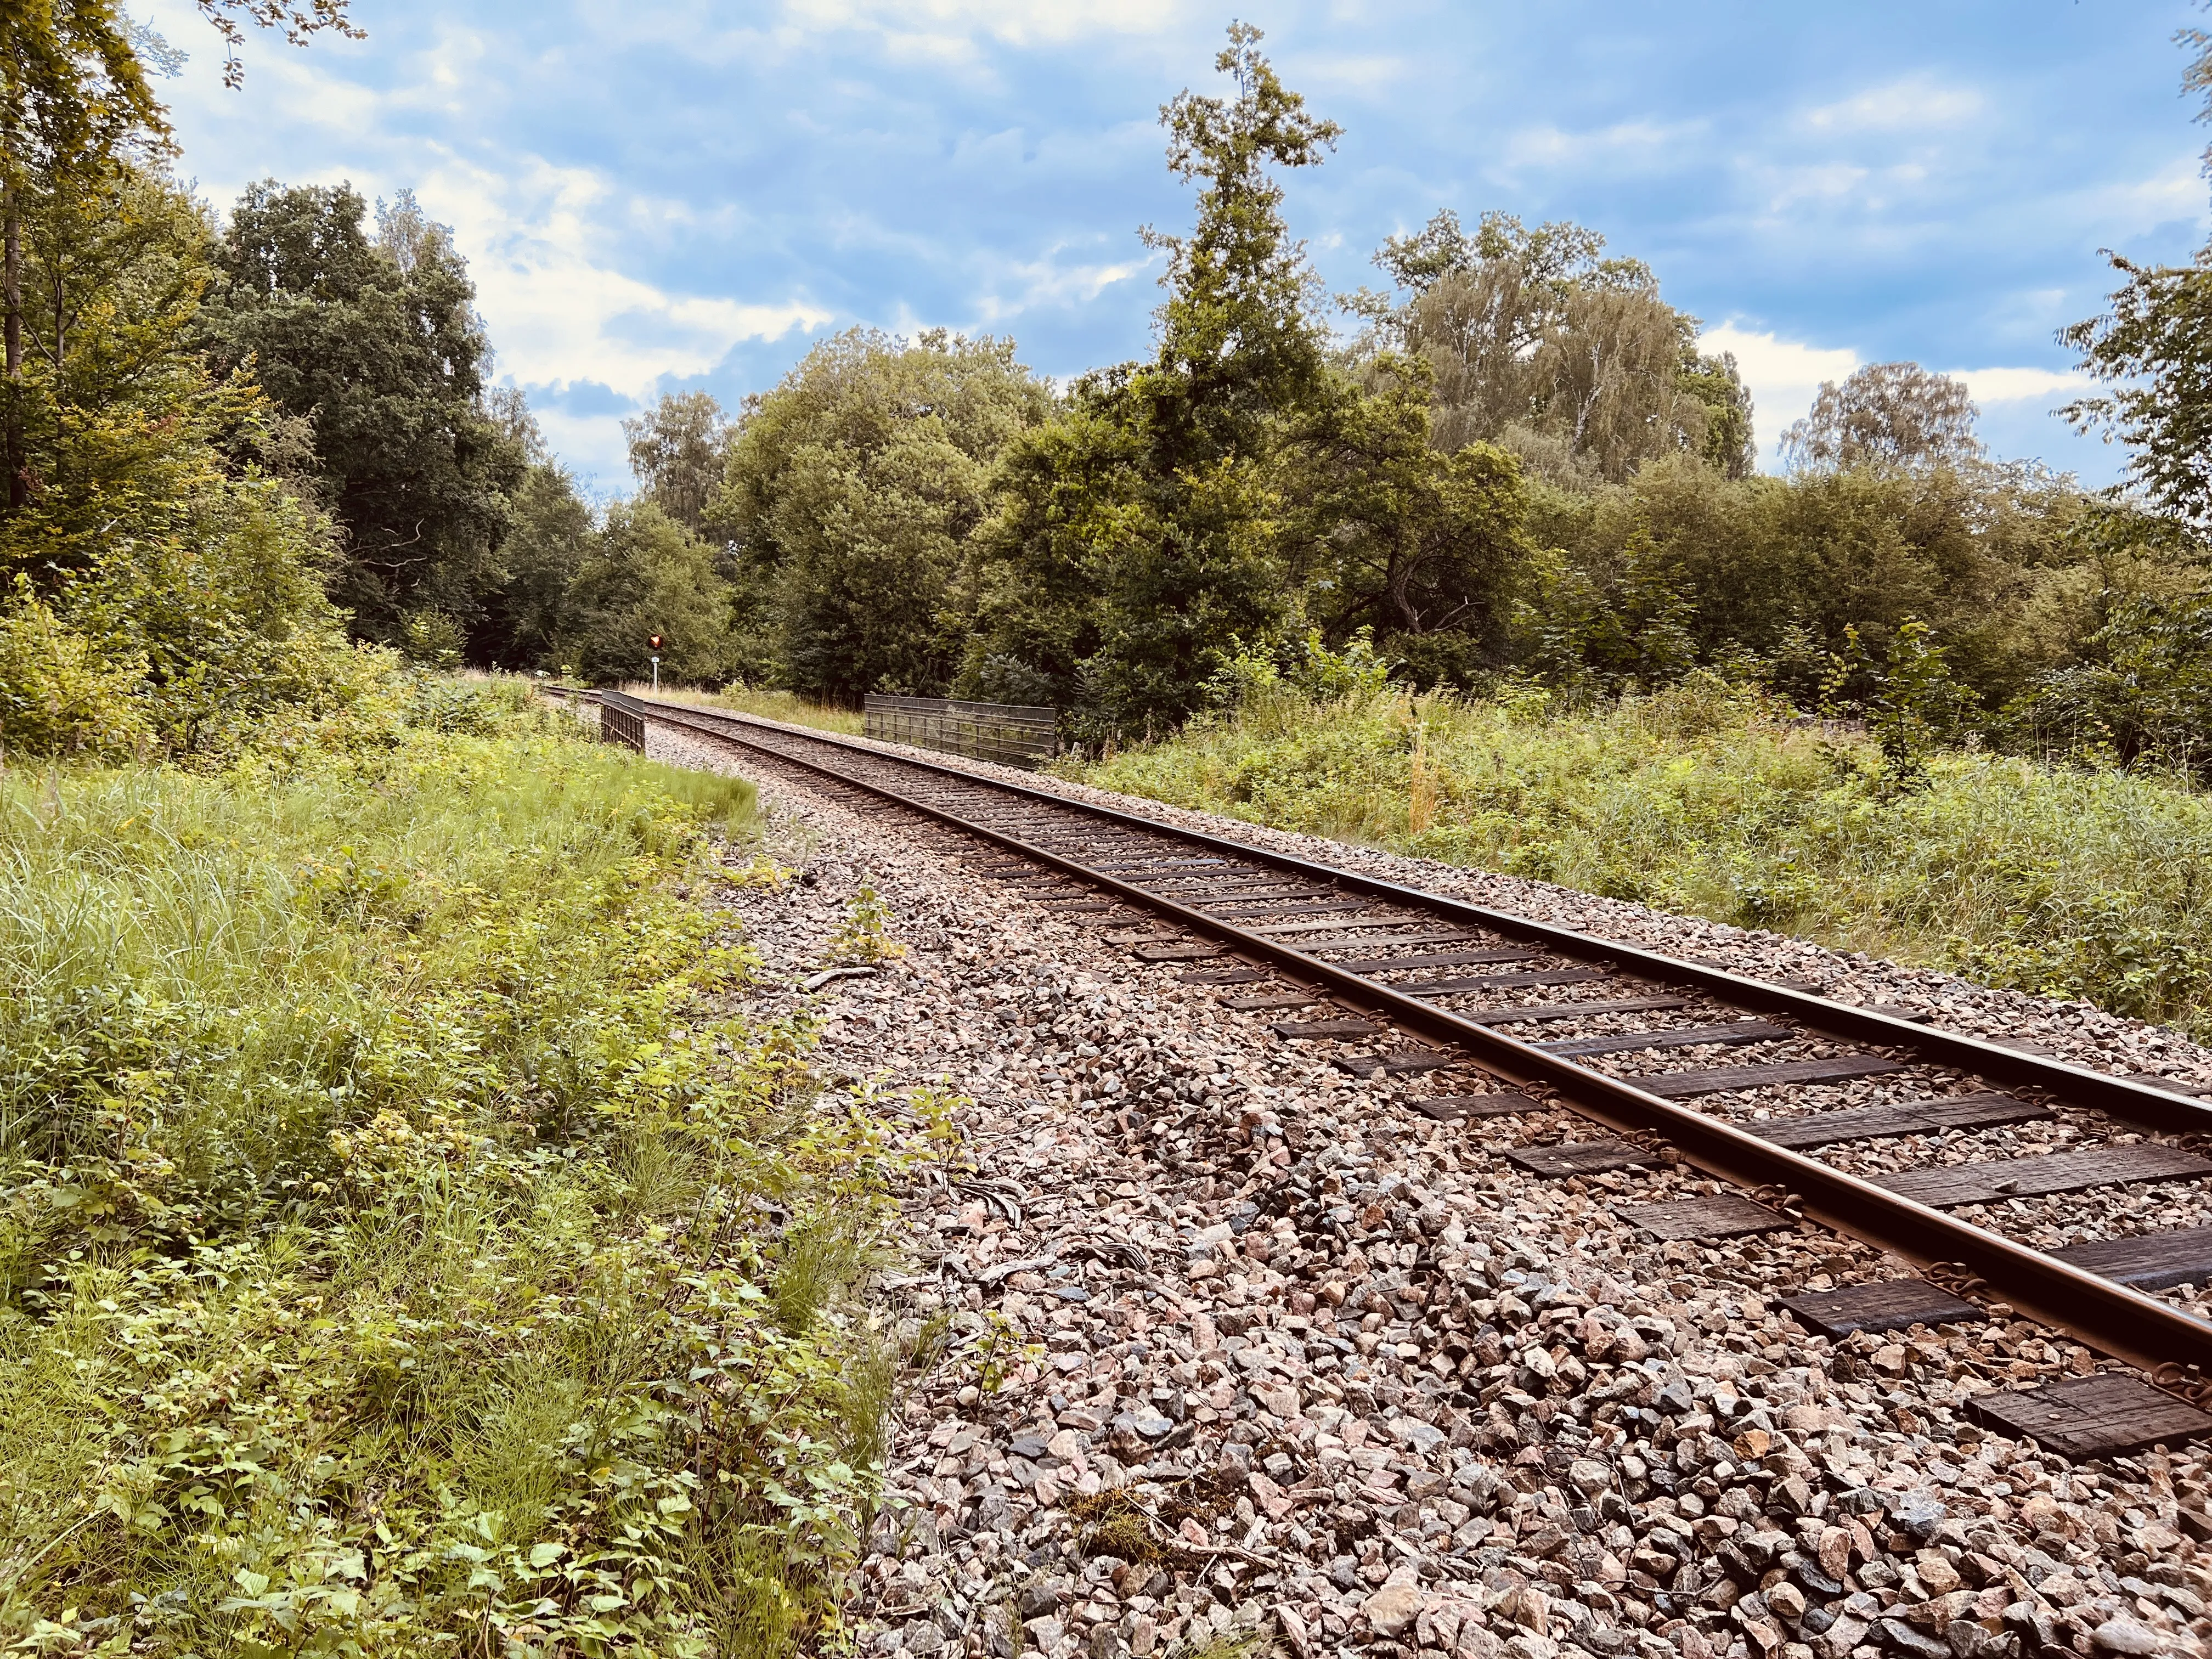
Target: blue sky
(662, 195)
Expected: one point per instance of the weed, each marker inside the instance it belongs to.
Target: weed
(1714, 800)
(938, 1109)
(859, 939)
(999, 1350)
(824, 1256)
(383, 1261)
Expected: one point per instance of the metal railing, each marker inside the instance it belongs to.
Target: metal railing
(1014, 734)
(620, 726)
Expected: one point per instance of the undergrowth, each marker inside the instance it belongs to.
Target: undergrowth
(408, 1243)
(1709, 799)
(786, 706)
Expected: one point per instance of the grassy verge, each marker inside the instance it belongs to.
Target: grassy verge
(1704, 800)
(786, 706)
(408, 1244)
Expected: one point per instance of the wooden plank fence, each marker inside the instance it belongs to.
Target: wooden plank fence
(1012, 734)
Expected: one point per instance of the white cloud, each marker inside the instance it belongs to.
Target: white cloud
(537, 242)
(1783, 375)
(2008, 385)
(1642, 143)
(1015, 22)
(1913, 104)
(1827, 182)
(2174, 193)
(1042, 283)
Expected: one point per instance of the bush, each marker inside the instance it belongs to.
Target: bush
(57, 698)
(389, 1185)
(1711, 798)
(2143, 695)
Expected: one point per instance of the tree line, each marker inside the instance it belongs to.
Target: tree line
(1510, 460)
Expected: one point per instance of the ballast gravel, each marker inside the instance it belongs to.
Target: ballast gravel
(1219, 1349)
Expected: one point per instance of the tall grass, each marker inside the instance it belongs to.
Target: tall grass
(1709, 800)
(386, 1232)
(786, 706)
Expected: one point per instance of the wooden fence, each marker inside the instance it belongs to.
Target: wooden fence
(1011, 734)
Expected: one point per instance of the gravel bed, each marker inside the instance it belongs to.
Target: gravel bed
(1234, 1346)
(2075, 1031)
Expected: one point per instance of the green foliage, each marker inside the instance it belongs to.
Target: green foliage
(2143, 695)
(2002, 564)
(1139, 535)
(375, 339)
(678, 451)
(1625, 626)
(144, 559)
(643, 573)
(852, 490)
(386, 1240)
(1710, 798)
(1884, 416)
(547, 544)
(2155, 350)
(1400, 537)
(860, 941)
(56, 698)
(1912, 706)
(1537, 340)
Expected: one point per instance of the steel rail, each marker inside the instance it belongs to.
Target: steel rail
(2126, 1324)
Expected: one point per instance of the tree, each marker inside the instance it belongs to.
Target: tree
(373, 339)
(852, 489)
(678, 450)
(1147, 512)
(644, 573)
(2154, 349)
(547, 545)
(1537, 333)
(1386, 533)
(1894, 414)
(149, 543)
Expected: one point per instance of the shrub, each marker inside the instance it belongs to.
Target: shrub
(57, 697)
(1714, 800)
(387, 1256)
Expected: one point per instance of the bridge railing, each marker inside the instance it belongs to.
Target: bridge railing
(1012, 734)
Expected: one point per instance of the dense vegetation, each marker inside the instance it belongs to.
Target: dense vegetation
(1709, 798)
(1514, 465)
(406, 1234)
(409, 1242)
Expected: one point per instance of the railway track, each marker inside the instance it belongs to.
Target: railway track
(1487, 1015)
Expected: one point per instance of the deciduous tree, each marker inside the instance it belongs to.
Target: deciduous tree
(852, 489)
(1537, 333)
(678, 450)
(374, 339)
(1886, 414)
(1149, 512)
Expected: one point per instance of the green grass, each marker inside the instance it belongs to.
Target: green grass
(786, 706)
(390, 1183)
(1704, 800)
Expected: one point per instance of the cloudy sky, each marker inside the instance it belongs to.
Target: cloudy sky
(666, 194)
